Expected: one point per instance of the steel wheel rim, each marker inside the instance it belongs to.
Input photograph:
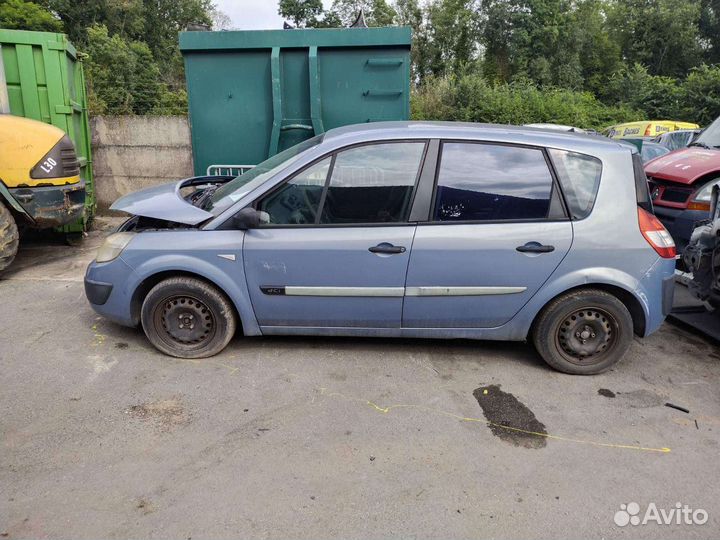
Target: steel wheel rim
(587, 336)
(185, 322)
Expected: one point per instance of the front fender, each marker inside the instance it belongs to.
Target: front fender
(227, 275)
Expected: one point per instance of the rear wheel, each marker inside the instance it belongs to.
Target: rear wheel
(583, 332)
(188, 318)
(9, 237)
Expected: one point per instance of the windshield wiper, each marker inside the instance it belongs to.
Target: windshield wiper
(203, 199)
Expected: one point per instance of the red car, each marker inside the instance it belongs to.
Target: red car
(681, 184)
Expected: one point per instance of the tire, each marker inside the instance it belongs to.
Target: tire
(9, 237)
(583, 332)
(188, 318)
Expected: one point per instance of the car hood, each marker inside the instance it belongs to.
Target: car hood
(684, 166)
(163, 202)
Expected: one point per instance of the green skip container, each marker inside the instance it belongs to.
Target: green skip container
(42, 78)
(254, 93)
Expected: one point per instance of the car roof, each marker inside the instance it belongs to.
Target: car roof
(470, 130)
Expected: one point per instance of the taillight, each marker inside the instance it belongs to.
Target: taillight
(656, 234)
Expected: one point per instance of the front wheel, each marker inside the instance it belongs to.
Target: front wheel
(188, 318)
(9, 237)
(583, 332)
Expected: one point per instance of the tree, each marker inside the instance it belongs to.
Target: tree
(662, 35)
(410, 13)
(122, 76)
(164, 19)
(701, 94)
(22, 15)
(377, 12)
(658, 96)
(599, 54)
(709, 26)
(533, 39)
(302, 13)
(453, 35)
(123, 17)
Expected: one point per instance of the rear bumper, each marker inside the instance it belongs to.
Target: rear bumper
(52, 206)
(668, 294)
(679, 222)
(656, 292)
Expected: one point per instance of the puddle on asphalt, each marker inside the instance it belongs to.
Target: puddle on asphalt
(606, 392)
(509, 419)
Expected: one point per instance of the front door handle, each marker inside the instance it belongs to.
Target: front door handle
(387, 248)
(535, 247)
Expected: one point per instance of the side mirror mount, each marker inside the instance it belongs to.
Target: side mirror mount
(249, 218)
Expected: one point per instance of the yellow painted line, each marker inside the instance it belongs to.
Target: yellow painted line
(386, 410)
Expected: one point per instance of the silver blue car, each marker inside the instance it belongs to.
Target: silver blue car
(400, 229)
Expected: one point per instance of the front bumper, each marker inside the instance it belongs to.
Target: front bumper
(97, 292)
(679, 222)
(109, 288)
(51, 206)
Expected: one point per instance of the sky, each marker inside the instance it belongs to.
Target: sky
(254, 14)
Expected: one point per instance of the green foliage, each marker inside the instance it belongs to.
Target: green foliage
(471, 98)
(701, 94)
(377, 12)
(452, 30)
(662, 35)
(171, 102)
(301, 13)
(709, 27)
(658, 96)
(121, 76)
(22, 15)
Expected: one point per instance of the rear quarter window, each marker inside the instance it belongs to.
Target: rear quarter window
(579, 176)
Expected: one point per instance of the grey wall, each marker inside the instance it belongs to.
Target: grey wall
(134, 152)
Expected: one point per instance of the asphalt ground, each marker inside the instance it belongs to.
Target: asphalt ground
(103, 437)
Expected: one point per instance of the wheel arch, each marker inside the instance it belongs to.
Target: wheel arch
(629, 300)
(144, 287)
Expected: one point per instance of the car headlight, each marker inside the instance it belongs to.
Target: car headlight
(113, 246)
(701, 199)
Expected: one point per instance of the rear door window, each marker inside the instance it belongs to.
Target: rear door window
(579, 177)
(490, 182)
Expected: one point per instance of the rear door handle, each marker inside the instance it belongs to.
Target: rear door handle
(386, 247)
(535, 247)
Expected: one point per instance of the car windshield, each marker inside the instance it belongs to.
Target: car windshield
(710, 137)
(235, 189)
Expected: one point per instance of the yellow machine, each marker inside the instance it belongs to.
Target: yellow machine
(40, 184)
(647, 128)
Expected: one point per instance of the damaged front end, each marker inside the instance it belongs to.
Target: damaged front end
(179, 205)
(702, 256)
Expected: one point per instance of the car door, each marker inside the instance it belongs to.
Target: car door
(336, 250)
(496, 232)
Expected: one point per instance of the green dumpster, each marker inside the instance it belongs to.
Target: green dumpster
(254, 93)
(42, 78)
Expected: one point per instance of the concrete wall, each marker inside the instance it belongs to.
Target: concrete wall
(134, 152)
